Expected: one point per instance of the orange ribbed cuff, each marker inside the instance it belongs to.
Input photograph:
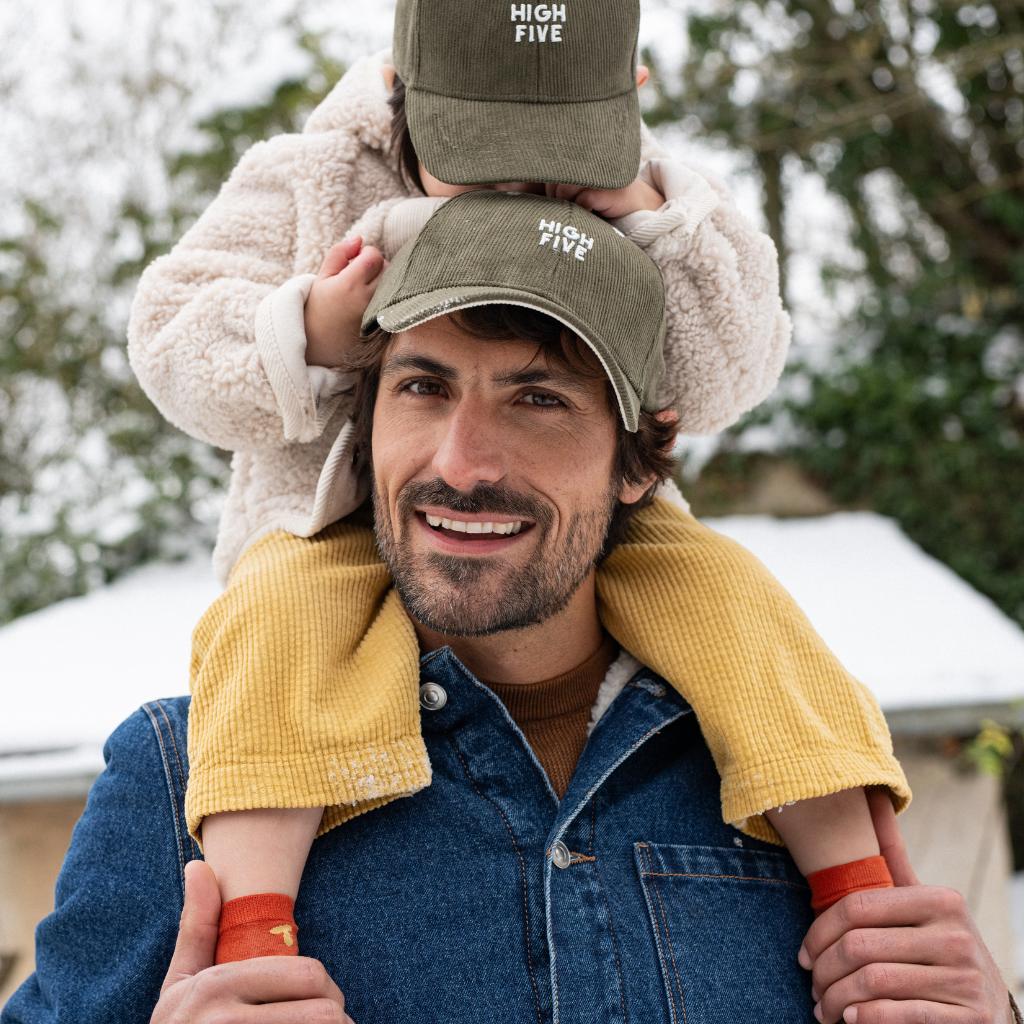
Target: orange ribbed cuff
(259, 925)
(830, 885)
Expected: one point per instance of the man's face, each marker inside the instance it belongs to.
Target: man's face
(493, 478)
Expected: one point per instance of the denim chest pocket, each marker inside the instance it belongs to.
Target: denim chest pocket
(728, 925)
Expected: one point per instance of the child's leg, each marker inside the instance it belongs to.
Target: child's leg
(833, 841)
(783, 719)
(304, 713)
(258, 857)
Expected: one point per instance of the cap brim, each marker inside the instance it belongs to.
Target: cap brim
(418, 309)
(483, 142)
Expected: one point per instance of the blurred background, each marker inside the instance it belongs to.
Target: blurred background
(880, 143)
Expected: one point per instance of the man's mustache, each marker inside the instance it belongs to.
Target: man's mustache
(482, 499)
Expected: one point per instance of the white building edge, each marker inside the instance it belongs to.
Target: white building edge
(939, 656)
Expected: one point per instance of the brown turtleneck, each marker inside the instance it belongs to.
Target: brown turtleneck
(554, 713)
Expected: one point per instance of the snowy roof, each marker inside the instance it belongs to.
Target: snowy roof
(938, 654)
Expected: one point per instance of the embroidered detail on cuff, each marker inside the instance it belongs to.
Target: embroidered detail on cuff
(307, 396)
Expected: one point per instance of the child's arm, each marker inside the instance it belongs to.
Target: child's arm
(727, 332)
(209, 334)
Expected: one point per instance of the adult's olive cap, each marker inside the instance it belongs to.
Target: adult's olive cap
(486, 247)
(501, 91)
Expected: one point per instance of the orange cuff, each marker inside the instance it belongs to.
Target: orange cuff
(830, 885)
(260, 925)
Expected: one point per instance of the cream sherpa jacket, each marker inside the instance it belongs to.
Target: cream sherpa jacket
(216, 329)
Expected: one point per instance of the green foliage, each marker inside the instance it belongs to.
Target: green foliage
(93, 481)
(992, 751)
(920, 414)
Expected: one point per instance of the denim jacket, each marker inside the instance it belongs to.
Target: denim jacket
(481, 898)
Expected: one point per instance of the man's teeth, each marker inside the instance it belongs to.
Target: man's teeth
(462, 526)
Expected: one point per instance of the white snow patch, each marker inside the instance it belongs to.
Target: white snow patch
(75, 670)
(902, 622)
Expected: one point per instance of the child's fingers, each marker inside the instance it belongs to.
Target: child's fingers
(569, 192)
(590, 199)
(367, 266)
(338, 256)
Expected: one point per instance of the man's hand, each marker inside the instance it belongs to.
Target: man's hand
(343, 288)
(909, 955)
(610, 203)
(285, 988)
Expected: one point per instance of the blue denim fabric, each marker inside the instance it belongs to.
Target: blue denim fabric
(448, 906)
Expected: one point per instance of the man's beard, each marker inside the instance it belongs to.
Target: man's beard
(482, 595)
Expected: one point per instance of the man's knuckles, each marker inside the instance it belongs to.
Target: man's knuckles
(889, 1011)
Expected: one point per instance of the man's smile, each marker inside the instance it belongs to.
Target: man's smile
(462, 533)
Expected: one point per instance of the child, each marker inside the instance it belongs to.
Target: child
(237, 349)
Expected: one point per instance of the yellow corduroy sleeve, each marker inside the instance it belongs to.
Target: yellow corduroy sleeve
(305, 684)
(783, 719)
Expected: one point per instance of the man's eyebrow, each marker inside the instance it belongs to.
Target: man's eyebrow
(422, 363)
(542, 375)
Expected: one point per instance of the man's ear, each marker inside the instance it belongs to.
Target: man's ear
(631, 493)
(388, 74)
(643, 75)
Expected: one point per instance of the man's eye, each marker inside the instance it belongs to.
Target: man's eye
(543, 399)
(421, 387)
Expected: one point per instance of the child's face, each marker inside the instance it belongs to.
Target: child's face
(435, 187)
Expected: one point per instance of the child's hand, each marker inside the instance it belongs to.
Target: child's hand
(344, 286)
(610, 203)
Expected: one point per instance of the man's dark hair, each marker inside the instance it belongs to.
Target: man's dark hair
(638, 455)
(402, 151)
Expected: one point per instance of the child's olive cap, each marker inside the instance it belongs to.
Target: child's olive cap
(487, 247)
(502, 91)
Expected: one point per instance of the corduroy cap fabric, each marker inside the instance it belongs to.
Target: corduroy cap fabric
(486, 247)
(501, 91)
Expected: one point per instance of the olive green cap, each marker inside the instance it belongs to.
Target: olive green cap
(511, 248)
(499, 91)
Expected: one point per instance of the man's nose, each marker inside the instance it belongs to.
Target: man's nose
(470, 451)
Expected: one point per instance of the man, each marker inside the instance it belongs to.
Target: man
(502, 470)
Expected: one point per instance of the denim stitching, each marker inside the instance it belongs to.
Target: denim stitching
(611, 930)
(522, 875)
(737, 878)
(580, 858)
(661, 940)
(181, 771)
(671, 950)
(643, 856)
(171, 796)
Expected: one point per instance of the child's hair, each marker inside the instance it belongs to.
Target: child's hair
(406, 162)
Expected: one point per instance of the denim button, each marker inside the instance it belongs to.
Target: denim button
(432, 697)
(560, 855)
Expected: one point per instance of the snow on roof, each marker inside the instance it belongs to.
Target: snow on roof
(903, 623)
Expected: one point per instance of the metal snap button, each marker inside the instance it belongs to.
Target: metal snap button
(560, 855)
(432, 697)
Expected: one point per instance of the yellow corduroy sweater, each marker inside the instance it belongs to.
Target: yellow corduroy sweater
(305, 676)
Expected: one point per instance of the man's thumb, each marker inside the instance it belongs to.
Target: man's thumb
(890, 839)
(200, 917)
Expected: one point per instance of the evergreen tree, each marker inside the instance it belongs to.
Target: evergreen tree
(912, 113)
